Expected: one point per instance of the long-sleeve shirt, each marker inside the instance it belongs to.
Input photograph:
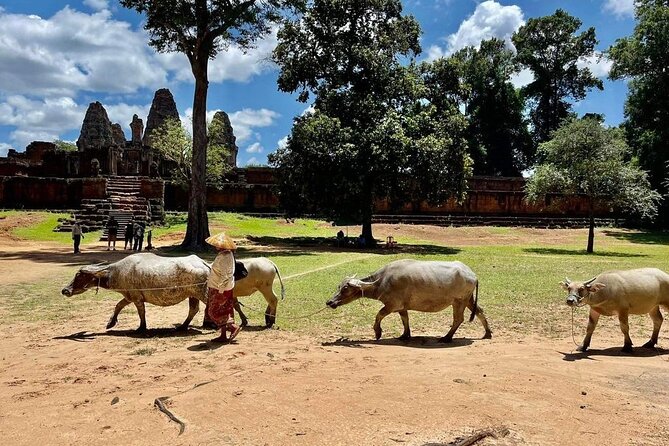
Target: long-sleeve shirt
(222, 272)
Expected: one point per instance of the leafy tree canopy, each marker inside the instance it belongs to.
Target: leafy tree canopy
(497, 133)
(65, 145)
(174, 142)
(585, 158)
(374, 135)
(551, 49)
(644, 60)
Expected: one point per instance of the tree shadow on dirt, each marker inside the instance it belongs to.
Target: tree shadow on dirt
(591, 354)
(164, 332)
(414, 342)
(206, 346)
(644, 238)
(580, 252)
(328, 244)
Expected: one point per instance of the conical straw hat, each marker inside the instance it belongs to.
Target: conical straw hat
(221, 241)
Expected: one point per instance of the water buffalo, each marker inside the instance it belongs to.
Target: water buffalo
(406, 285)
(635, 291)
(261, 275)
(147, 278)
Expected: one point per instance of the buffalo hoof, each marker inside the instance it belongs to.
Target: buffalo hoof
(582, 348)
(111, 323)
(446, 340)
(627, 349)
(649, 344)
(405, 337)
(487, 335)
(210, 325)
(182, 327)
(141, 329)
(269, 321)
(377, 333)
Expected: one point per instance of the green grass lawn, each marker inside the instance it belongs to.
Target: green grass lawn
(41, 227)
(518, 281)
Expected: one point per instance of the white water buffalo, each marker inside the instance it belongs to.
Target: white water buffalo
(635, 291)
(147, 278)
(406, 285)
(261, 275)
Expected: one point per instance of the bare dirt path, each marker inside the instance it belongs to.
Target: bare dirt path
(77, 384)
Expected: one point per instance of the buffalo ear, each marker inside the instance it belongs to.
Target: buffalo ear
(593, 288)
(564, 285)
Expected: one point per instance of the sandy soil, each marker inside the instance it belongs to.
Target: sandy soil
(77, 384)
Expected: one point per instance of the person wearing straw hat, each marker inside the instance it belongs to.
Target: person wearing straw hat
(221, 281)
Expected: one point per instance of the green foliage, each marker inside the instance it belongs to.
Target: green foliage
(551, 49)
(374, 134)
(174, 142)
(585, 158)
(497, 131)
(643, 59)
(65, 145)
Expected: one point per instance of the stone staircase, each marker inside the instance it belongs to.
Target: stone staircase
(123, 201)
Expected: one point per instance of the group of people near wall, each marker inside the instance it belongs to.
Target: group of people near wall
(133, 235)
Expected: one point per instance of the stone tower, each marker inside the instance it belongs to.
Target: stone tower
(225, 136)
(162, 108)
(96, 131)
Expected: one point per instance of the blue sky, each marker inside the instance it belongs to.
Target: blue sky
(58, 56)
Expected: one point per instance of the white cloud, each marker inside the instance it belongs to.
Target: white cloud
(252, 160)
(522, 78)
(599, 64)
(620, 8)
(98, 5)
(256, 147)
(73, 51)
(4, 148)
(244, 121)
(283, 142)
(490, 19)
(121, 113)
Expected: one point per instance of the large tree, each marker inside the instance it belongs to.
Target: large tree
(371, 135)
(644, 60)
(584, 158)
(200, 29)
(498, 134)
(550, 48)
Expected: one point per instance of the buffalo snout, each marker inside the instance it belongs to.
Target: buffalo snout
(67, 292)
(331, 303)
(572, 300)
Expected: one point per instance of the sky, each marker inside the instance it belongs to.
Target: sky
(56, 57)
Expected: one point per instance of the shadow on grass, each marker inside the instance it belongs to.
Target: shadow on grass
(591, 354)
(327, 244)
(414, 342)
(84, 336)
(579, 252)
(644, 238)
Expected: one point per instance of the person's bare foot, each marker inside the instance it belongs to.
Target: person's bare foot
(222, 339)
(234, 332)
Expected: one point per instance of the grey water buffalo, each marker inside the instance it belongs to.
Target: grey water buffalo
(428, 286)
(635, 291)
(147, 278)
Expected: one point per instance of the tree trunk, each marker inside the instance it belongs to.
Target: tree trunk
(367, 231)
(197, 229)
(591, 231)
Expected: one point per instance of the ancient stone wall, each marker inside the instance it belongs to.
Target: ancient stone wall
(48, 193)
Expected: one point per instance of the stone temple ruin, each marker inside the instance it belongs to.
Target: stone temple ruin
(109, 174)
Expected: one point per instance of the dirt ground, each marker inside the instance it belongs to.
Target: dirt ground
(75, 383)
